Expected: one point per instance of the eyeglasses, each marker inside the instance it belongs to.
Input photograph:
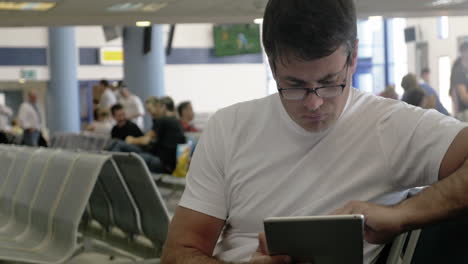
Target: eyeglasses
(328, 91)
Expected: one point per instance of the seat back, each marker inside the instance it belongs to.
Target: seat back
(154, 214)
(58, 173)
(19, 170)
(125, 211)
(100, 206)
(72, 203)
(445, 242)
(28, 191)
(7, 159)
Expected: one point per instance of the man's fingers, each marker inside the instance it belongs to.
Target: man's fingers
(262, 244)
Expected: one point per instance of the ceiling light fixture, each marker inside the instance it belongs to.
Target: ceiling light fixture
(258, 21)
(26, 6)
(137, 7)
(143, 23)
(439, 3)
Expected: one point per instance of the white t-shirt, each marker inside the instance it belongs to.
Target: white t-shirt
(108, 99)
(253, 161)
(29, 116)
(133, 106)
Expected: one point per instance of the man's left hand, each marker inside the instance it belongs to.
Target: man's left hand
(382, 223)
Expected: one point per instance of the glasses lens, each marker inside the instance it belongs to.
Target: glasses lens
(293, 94)
(331, 91)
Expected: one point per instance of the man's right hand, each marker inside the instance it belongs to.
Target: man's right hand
(262, 256)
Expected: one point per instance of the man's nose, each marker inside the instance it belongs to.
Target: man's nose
(312, 101)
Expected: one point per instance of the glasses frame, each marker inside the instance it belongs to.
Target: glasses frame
(314, 90)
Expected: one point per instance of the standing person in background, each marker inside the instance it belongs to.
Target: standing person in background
(459, 84)
(30, 120)
(432, 98)
(186, 115)
(5, 114)
(170, 106)
(133, 107)
(108, 98)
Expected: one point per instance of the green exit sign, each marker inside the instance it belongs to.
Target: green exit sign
(29, 74)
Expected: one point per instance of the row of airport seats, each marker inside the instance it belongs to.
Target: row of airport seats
(170, 187)
(48, 195)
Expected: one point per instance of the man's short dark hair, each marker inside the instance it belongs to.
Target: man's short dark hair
(182, 107)
(169, 103)
(308, 29)
(116, 108)
(104, 83)
(425, 70)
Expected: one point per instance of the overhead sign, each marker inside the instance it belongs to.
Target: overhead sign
(111, 56)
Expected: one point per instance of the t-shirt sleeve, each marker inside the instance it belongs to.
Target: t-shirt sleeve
(204, 191)
(414, 142)
(137, 131)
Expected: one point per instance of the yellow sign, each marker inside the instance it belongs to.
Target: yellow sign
(112, 56)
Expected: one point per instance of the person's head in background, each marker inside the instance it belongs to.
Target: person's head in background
(414, 94)
(312, 44)
(125, 92)
(389, 92)
(32, 97)
(426, 75)
(185, 111)
(170, 107)
(118, 114)
(155, 107)
(103, 83)
(464, 54)
(410, 82)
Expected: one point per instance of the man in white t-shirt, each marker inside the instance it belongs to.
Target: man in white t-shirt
(133, 107)
(30, 119)
(108, 98)
(5, 114)
(317, 147)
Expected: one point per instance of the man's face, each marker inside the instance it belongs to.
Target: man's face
(120, 117)
(314, 113)
(426, 77)
(188, 112)
(156, 111)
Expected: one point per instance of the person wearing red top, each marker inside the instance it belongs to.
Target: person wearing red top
(186, 115)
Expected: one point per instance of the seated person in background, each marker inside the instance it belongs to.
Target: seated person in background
(163, 138)
(433, 100)
(169, 104)
(414, 94)
(123, 127)
(317, 147)
(102, 126)
(186, 114)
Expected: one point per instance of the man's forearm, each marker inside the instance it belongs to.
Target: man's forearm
(444, 199)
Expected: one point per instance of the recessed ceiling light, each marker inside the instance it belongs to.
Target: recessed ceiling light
(438, 3)
(26, 6)
(143, 23)
(258, 21)
(22, 81)
(137, 7)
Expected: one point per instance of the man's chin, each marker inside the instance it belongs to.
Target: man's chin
(316, 127)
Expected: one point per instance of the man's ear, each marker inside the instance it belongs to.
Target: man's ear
(354, 56)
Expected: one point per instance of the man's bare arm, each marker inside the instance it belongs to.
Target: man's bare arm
(192, 238)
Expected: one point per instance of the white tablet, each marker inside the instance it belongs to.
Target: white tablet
(334, 239)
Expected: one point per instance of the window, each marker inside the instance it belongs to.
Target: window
(443, 27)
(444, 82)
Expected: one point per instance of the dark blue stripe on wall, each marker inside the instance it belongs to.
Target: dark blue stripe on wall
(206, 56)
(23, 56)
(90, 56)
